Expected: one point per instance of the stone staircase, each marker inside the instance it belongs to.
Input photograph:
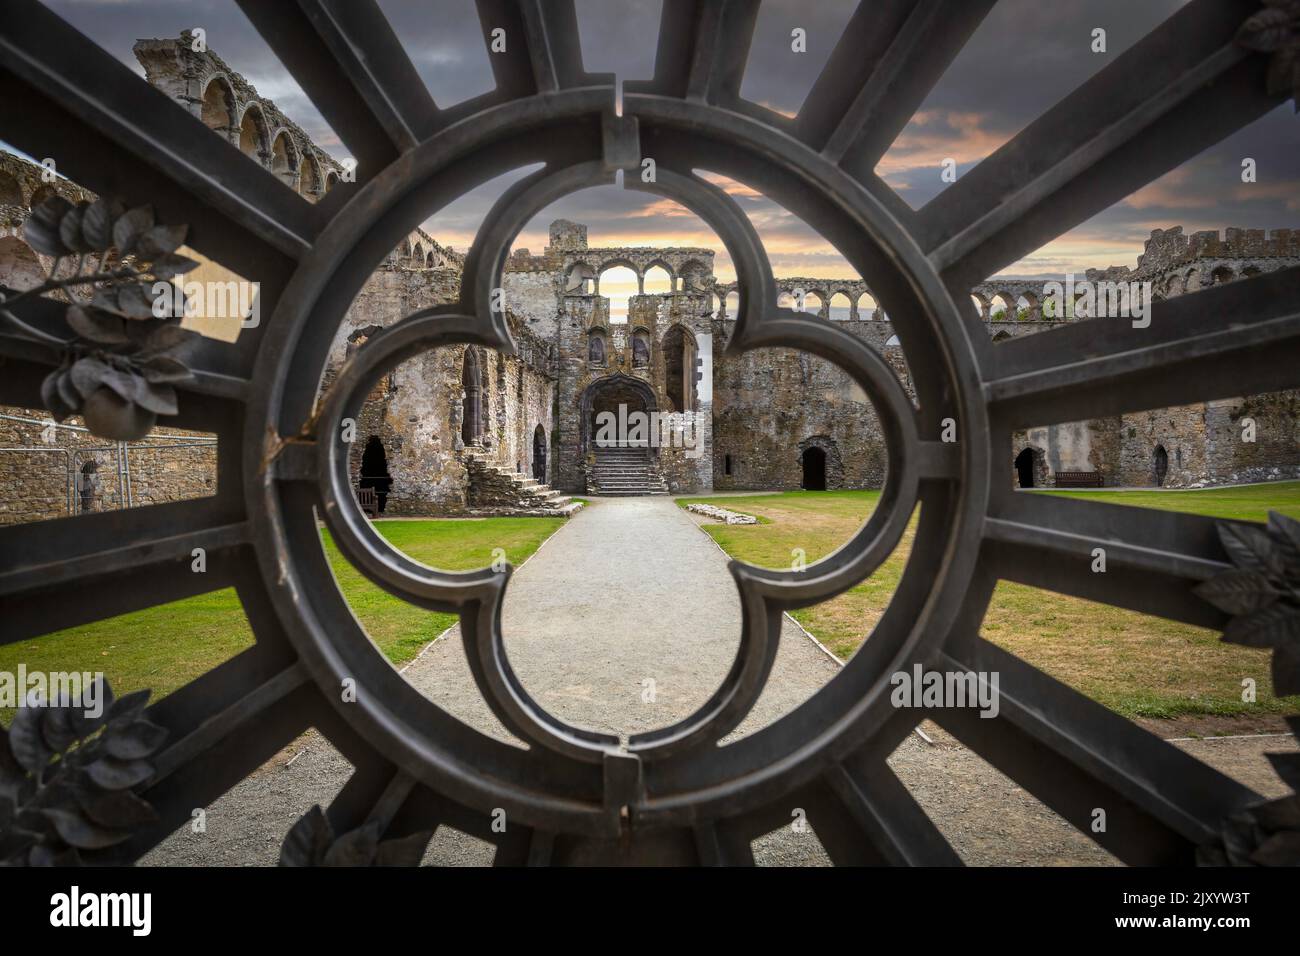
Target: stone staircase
(500, 491)
(625, 472)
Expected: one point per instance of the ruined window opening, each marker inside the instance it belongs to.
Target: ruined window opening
(679, 365)
(640, 350)
(11, 194)
(539, 454)
(726, 464)
(472, 382)
(596, 348)
(1161, 465)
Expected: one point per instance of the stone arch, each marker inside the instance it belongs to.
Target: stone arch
(1250, 272)
(821, 453)
(41, 193)
(695, 276)
(428, 260)
(579, 279)
(1002, 307)
(1031, 467)
(1192, 280)
(285, 158)
(309, 180)
(1001, 335)
(650, 276)
(20, 267)
(605, 394)
(254, 136)
(218, 107)
(11, 194)
(1027, 307)
(471, 380)
(814, 303)
(1222, 275)
(731, 303)
(841, 305)
(786, 300)
(867, 306)
(1172, 286)
(612, 273)
(981, 304)
(679, 352)
(331, 180)
(1159, 465)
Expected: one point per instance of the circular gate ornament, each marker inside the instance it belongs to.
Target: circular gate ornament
(672, 795)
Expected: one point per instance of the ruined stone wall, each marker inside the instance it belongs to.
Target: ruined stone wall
(41, 468)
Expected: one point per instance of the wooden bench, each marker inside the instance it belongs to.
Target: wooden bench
(1078, 479)
(368, 501)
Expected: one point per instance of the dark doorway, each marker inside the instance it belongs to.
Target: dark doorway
(624, 404)
(374, 471)
(679, 351)
(814, 469)
(1025, 468)
(472, 381)
(539, 454)
(1161, 465)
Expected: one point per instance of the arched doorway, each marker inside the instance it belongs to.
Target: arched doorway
(621, 400)
(814, 469)
(471, 379)
(374, 471)
(539, 454)
(1025, 468)
(679, 350)
(1161, 465)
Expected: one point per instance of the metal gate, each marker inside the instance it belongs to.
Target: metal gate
(672, 795)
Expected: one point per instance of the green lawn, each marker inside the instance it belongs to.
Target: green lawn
(1135, 664)
(165, 647)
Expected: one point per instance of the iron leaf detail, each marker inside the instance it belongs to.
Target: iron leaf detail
(66, 774)
(312, 842)
(1276, 29)
(1262, 593)
(128, 350)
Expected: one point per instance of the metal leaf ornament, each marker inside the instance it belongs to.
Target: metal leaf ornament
(128, 352)
(1276, 29)
(1262, 593)
(312, 842)
(66, 778)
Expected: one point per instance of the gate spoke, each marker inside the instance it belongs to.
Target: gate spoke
(1232, 340)
(1178, 91)
(1077, 756)
(887, 60)
(702, 52)
(346, 57)
(1153, 557)
(542, 47)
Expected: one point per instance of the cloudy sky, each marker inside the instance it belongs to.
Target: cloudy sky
(1025, 57)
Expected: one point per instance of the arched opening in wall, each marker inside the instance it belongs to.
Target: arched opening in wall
(679, 351)
(374, 472)
(614, 412)
(539, 454)
(812, 303)
(715, 305)
(640, 348)
(1222, 275)
(867, 307)
(658, 280)
(471, 379)
(580, 279)
(11, 194)
(596, 348)
(1001, 335)
(617, 284)
(331, 180)
(731, 304)
(1026, 307)
(694, 276)
(253, 133)
(1001, 308)
(1192, 280)
(428, 260)
(813, 462)
(88, 487)
(284, 159)
(20, 269)
(1160, 465)
(785, 300)
(218, 108)
(841, 307)
(893, 342)
(1025, 468)
(309, 183)
(981, 305)
(41, 193)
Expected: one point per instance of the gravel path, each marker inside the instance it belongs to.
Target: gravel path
(627, 592)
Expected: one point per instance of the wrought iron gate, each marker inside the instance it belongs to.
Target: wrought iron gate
(672, 795)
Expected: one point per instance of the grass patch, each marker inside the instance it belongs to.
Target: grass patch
(1138, 665)
(166, 647)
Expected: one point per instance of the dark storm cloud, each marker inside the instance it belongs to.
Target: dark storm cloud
(1025, 57)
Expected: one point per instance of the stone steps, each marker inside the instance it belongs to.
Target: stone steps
(625, 473)
(504, 490)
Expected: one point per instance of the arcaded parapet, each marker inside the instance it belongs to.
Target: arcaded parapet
(232, 108)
